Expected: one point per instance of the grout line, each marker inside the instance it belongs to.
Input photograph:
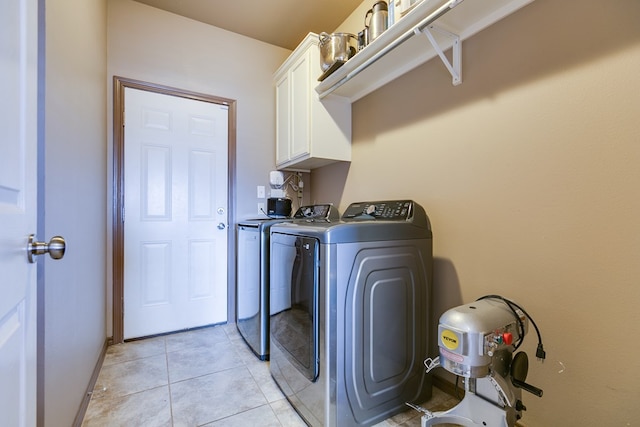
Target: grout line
(243, 412)
(211, 373)
(166, 358)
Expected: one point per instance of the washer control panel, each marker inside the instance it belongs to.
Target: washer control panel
(389, 210)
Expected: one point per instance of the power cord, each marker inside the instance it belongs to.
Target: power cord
(295, 187)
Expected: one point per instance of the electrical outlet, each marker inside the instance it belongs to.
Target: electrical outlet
(261, 192)
(261, 209)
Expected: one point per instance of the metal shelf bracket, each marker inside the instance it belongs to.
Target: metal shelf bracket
(454, 66)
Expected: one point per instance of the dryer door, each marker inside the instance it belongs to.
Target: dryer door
(294, 301)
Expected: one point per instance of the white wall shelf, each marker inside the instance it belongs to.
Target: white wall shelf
(402, 47)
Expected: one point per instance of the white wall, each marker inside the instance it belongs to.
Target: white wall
(74, 202)
(148, 44)
(529, 172)
(151, 45)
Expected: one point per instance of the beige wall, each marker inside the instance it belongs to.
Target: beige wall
(148, 44)
(530, 174)
(72, 204)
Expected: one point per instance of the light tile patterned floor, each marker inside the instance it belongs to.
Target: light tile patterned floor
(205, 377)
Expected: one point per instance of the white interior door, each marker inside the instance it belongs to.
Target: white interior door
(175, 232)
(18, 180)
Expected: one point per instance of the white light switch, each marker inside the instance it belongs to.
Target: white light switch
(260, 191)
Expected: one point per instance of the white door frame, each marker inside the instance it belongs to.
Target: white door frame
(119, 85)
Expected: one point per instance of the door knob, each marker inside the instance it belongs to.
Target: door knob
(55, 248)
(221, 226)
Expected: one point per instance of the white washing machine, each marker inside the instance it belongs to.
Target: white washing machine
(350, 310)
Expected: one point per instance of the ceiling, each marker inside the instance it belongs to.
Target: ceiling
(282, 23)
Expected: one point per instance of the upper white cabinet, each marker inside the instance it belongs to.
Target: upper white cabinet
(309, 132)
(432, 27)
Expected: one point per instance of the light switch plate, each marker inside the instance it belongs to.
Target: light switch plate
(261, 192)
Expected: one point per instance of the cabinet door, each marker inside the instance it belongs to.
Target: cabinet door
(300, 107)
(282, 119)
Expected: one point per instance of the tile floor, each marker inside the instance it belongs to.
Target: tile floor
(205, 377)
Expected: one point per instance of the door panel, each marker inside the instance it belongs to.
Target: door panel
(175, 236)
(300, 107)
(294, 324)
(155, 171)
(156, 274)
(18, 198)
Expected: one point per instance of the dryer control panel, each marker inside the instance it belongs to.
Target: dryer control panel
(325, 212)
(389, 210)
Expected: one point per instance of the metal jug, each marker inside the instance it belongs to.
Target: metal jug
(378, 22)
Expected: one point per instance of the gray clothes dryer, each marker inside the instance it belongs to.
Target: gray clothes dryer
(350, 310)
(252, 274)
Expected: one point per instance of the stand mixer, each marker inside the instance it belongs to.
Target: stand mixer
(477, 342)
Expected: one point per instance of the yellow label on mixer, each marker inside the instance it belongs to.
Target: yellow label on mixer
(449, 339)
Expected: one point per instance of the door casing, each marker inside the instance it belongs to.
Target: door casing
(119, 85)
